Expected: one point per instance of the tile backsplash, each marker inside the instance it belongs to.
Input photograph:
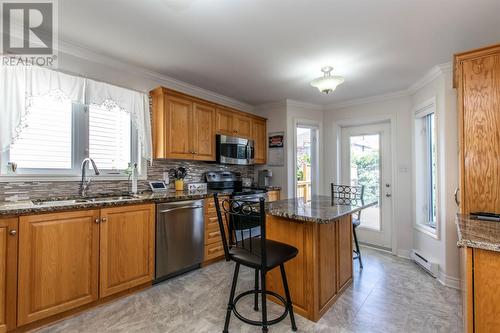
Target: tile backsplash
(43, 189)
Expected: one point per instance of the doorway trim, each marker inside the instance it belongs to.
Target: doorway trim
(319, 148)
(362, 121)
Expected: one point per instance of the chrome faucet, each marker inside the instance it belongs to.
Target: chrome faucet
(85, 183)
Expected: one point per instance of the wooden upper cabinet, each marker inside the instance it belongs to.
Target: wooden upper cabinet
(58, 263)
(127, 247)
(8, 273)
(224, 123)
(179, 114)
(233, 123)
(185, 127)
(478, 80)
(204, 132)
(242, 126)
(259, 133)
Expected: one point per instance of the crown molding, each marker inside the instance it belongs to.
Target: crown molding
(271, 105)
(69, 48)
(304, 105)
(366, 100)
(430, 76)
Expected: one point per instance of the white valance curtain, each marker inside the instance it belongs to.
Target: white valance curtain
(130, 101)
(18, 86)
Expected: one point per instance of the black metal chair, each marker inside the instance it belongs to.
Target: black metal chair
(254, 251)
(350, 195)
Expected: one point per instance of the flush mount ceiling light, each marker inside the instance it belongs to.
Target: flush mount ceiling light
(328, 82)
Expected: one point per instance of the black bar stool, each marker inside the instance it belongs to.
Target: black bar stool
(254, 251)
(350, 195)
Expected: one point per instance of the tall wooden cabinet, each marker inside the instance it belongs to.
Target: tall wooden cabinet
(8, 273)
(184, 127)
(477, 79)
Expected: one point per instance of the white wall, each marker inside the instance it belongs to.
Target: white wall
(395, 111)
(83, 62)
(282, 117)
(443, 249)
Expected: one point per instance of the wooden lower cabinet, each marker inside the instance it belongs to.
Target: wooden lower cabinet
(70, 259)
(8, 273)
(127, 245)
(322, 269)
(481, 290)
(58, 263)
(213, 241)
(273, 195)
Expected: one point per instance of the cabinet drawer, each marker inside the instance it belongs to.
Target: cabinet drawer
(212, 235)
(213, 251)
(211, 222)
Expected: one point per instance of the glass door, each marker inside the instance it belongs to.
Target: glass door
(366, 161)
(306, 164)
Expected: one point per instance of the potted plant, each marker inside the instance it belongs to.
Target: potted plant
(178, 174)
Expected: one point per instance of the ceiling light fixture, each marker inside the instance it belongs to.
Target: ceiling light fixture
(328, 82)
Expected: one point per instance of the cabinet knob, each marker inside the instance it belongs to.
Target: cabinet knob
(104, 219)
(97, 221)
(13, 232)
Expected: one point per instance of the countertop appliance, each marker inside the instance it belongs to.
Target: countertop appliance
(264, 178)
(180, 231)
(234, 150)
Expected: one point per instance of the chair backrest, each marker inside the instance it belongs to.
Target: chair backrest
(237, 222)
(348, 195)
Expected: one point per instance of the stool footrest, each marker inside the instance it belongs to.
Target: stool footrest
(257, 322)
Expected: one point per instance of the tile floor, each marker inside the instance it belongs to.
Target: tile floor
(389, 295)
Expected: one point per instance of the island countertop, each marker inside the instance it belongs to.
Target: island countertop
(477, 233)
(319, 210)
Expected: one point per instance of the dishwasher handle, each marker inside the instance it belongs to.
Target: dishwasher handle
(178, 208)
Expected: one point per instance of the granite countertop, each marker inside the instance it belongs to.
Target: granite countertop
(26, 207)
(478, 233)
(318, 210)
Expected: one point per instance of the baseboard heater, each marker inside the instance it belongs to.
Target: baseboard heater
(427, 265)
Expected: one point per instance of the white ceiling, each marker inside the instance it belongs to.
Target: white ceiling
(260, 51)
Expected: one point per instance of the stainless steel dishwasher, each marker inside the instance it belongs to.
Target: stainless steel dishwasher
(180, 230)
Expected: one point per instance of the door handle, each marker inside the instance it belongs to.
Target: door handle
(177, 208)
(456, 196)
(13, 232)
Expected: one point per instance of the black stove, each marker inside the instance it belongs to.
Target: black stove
(229, 182)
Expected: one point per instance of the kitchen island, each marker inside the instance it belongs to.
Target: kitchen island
(322, 232)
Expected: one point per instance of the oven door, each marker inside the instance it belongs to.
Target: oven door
(233, 150)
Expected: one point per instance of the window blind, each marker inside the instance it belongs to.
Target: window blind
(109, 137)
(46, 140)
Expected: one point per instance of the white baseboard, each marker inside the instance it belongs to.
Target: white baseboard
(448, 281)
(403, 253)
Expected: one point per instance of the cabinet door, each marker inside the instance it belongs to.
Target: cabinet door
(8, 273)
(58, 263)
(224, 122)
(481, 139)
(179, 130)
(127, 248)
(344, 250)
(259, 133)
(273, 196)
(204, 132)
(243, 126)
(486, 289)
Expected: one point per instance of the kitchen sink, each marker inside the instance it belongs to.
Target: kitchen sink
(79, 200)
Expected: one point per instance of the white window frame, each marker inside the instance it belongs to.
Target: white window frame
(421, 193)
(80, 150)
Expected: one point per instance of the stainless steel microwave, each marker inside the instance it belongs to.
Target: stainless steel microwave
(233, 150)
